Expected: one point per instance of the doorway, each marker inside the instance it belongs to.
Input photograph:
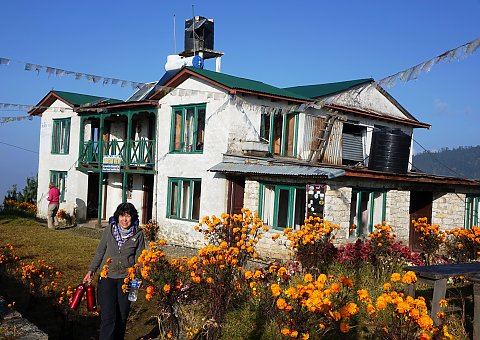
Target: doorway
(420, 206)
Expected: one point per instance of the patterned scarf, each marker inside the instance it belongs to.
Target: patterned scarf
(121, 236)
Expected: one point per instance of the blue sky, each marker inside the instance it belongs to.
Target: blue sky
(280, 43)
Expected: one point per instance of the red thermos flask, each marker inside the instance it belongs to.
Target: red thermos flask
(77, 296)
(91, 299)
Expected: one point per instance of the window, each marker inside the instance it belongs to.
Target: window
(282, 206)
(184, 198)
(61, 136)
(352, 144)
(366, 210)
(188, 129)
(280, 131)
(60, 179)
(471, 211)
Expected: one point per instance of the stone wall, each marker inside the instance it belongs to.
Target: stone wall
(448, 210)
(398, 213)
(337, 209)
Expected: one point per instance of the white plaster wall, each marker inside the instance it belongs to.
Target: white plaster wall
(76, 182)
(214, 187)
(114, 193)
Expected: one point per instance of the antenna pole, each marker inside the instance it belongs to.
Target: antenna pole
(193, 30)
(174, 38)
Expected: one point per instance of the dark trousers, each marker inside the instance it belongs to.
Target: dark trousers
(114, 309)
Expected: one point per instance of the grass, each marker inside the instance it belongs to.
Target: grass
(71, 255)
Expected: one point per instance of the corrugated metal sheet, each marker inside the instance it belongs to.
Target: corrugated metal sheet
(277, 169)
(333, 152)
(313, 130)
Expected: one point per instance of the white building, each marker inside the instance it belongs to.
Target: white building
(200, 143)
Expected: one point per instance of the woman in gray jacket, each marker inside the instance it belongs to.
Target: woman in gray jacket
(121, 244)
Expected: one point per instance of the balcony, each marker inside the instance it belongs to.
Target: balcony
(134, 153)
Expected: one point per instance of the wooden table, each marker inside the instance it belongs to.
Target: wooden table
(475, 278)
(437, 276)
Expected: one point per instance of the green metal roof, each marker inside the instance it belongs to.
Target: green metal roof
(247, 84)
(78, 99)
(320, 90)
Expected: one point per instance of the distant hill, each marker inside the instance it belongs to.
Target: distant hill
(462, 162)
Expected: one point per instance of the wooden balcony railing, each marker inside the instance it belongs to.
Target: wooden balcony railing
(132, 152)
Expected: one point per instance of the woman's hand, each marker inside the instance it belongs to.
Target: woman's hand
(88, 278)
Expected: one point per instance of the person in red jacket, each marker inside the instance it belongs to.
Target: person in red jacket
(53, 203)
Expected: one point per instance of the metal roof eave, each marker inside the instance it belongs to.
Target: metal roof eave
(277, 169)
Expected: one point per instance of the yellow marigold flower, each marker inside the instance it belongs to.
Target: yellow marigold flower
(308, 278)
(441, 315)
(396, 277)
(305, 336)
(166, 288)
(276, 236)
(169, 334)
(387, 286)
(109, 260)
(209, 280)
(443, 303)
(344, 328)
(248, 274)
(285, 331)
(293, 334)
(322, 278)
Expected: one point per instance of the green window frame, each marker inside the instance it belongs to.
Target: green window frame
(282, 206)
(365, 212)
(61, 136)
(60, 180)
(183, 198)
(281, 132)
(187, 133)
(471, 211)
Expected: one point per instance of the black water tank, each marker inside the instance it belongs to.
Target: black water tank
(390, 151)
(203, 38)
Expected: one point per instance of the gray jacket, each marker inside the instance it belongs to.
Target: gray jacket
(122, 258)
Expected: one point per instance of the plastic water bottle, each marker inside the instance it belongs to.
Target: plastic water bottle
(133, 294)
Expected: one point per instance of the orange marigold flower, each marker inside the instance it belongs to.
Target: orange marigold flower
(425, 322)
(281, 303)
(285, 331)
(344, 328)
(293, 334)
(166, 288)
(443, 303)
(308, 278)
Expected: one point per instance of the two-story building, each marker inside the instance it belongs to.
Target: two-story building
(200, 142)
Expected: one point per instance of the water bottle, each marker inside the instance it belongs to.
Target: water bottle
(132, 295)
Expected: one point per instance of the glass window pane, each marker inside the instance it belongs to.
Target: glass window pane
(197, 185)
(185, 208)
(189, 127)
(283, 208)
(300, 208)
(290, 136)
(173, 199)
(265, 128)
(177, 132)
(277, 134)
(200, 129)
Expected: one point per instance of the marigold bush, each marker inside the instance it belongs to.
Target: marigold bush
(312, 244)
(463, 244)
(431, 239)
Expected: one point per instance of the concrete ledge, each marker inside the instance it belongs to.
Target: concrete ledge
(14, 326)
